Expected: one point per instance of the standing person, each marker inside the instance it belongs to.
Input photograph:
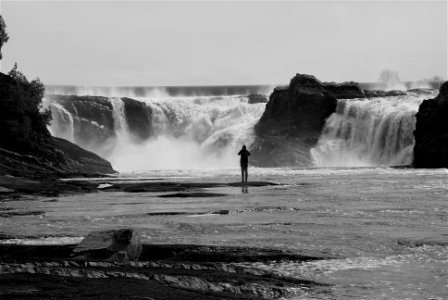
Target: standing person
(244, 162)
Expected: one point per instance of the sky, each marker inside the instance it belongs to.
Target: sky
(145, 43)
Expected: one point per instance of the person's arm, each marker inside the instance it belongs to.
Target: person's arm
(239, 153)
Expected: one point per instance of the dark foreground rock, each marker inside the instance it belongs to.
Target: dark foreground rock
(431, 133)
(164, 272)
(121, 245)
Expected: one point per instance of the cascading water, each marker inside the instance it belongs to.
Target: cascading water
(187, 132)
(190, 133)
(62, 122)
(120, 124)
(369, 132)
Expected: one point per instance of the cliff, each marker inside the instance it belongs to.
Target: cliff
(431, 133)
(293, 120)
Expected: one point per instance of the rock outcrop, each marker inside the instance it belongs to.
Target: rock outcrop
(292, 122)
(80, 161)
(431, 133)
(58, 158)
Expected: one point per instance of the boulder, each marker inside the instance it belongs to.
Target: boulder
(431, 132)
(292, 122)
(122, 245)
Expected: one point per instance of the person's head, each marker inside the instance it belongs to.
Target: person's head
(244, 147)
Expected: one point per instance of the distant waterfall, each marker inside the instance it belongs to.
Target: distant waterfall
(369, 132)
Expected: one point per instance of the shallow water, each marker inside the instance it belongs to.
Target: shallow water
(371, 219)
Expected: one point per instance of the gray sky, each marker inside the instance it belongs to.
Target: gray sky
(206, 43)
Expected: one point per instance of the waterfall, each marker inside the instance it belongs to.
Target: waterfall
(62, 122)
(118, 113)
(369, 132)
(186, 132)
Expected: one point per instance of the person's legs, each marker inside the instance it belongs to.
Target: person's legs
(242, 174)
(245, 174)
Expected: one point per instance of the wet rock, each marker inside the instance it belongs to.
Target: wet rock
(431, 133)
(121, 245)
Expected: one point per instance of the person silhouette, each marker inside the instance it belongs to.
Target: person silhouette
(244, 162)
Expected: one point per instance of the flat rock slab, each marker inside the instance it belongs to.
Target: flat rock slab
(192, 195)
(164, 272)
(164, 186)
(175, 252)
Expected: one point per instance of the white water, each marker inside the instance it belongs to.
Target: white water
(192, 133)
(206, 132)
(369, 132)
(62, 122)
(188, 133)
